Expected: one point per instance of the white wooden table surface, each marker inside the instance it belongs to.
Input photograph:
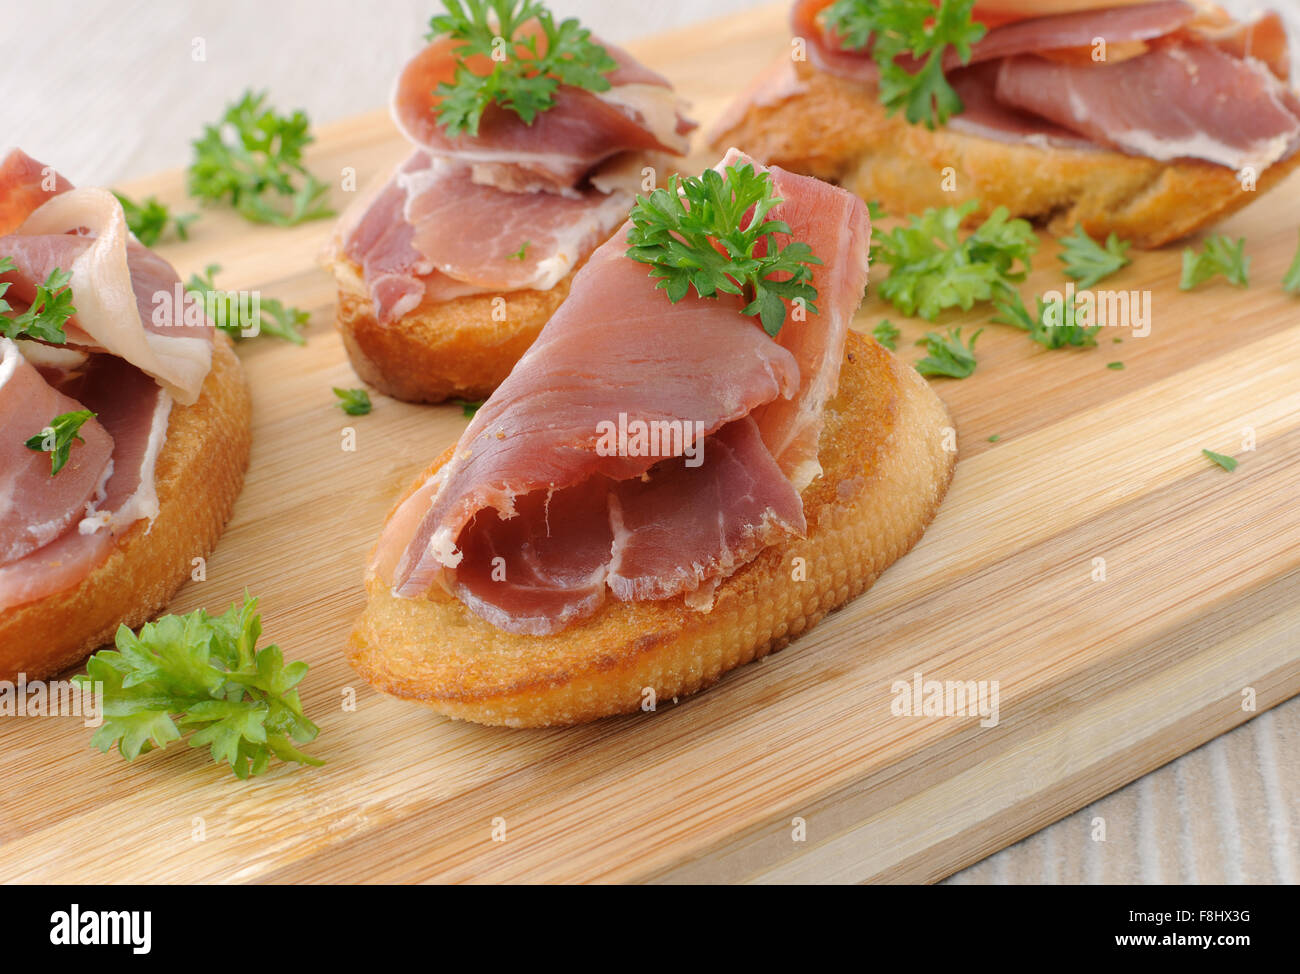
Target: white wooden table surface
(111, 91)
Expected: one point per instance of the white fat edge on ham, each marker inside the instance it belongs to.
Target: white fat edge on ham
(824, 381)
(654, 106)
(569, 249)
(52, 356)
(106, 305)
(1199, 145)
(401, 526)
(143, 503)
(484, 161)
(9, 355)
(8, 366)
(631, 172)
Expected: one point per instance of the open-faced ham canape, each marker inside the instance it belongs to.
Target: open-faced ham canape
(527, 155)
(1146, 118)
(661, 490)
(124, 424)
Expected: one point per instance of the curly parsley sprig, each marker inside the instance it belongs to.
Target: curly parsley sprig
(711, 233)
(354, 402)
(933, 268)
(948, 355)
(149, 219)
(916, 29)
(252, 159)
(58, 438)
(205, 674)
(1056, 324)
(1291, 282)
(45, 316)
(525, 75)
(1089, 262)
(1220, 256)
(275, 319)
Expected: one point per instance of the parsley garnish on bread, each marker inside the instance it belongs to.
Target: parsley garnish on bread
(528, 66)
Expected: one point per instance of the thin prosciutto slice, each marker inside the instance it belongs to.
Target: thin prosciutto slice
(533, 522)
(1177, 80)
(36, 507)
(134, 411)
(517, 205)
(433, 234)
(24, 185)
(1195, 101)
(581, 130)
(125, 354)
(1010, 32)
(109, 308)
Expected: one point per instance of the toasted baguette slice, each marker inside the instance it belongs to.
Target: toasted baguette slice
(837, 130)
(884, 473)
(441, 350)
(199, 474)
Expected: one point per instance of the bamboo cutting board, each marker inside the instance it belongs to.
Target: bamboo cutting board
(1100, 680)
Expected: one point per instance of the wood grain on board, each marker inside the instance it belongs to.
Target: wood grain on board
(1100, 681)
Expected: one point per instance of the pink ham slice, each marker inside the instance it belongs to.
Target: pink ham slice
(133, 411)
(153, 282)
(988, 118)
(545, 233)
(672, 532)
(126, 295)
(687, 527)
(1076, 29)
(563, 144)
(433, 234)
(528, 483)
(1263, 39)
(24, 185)
(35, 507)
(1180, 82)
(1080, 29)
(117, 282)
(379, 241)
(1171, 103)
(542, 425)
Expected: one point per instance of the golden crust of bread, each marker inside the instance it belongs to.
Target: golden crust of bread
(199, 474)
(884, 473)
(836, 129)
(440, 350)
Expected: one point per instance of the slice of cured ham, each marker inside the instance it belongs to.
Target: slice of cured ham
(108, 306)
(432, 233)
(132, 411)
(127, 351)
(1176, 80)
(562, 144)
(24, 185)
(35, 507)
(518, 205)
(533, 482)
(1171, 103)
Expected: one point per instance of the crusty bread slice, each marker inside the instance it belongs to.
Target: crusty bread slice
(884, 473)
(199, 474)
(837, 130)
(441, 350)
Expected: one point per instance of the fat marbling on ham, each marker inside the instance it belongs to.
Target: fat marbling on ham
(529, 481)
(124, 360)
(1178, 79)
(516, 206)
